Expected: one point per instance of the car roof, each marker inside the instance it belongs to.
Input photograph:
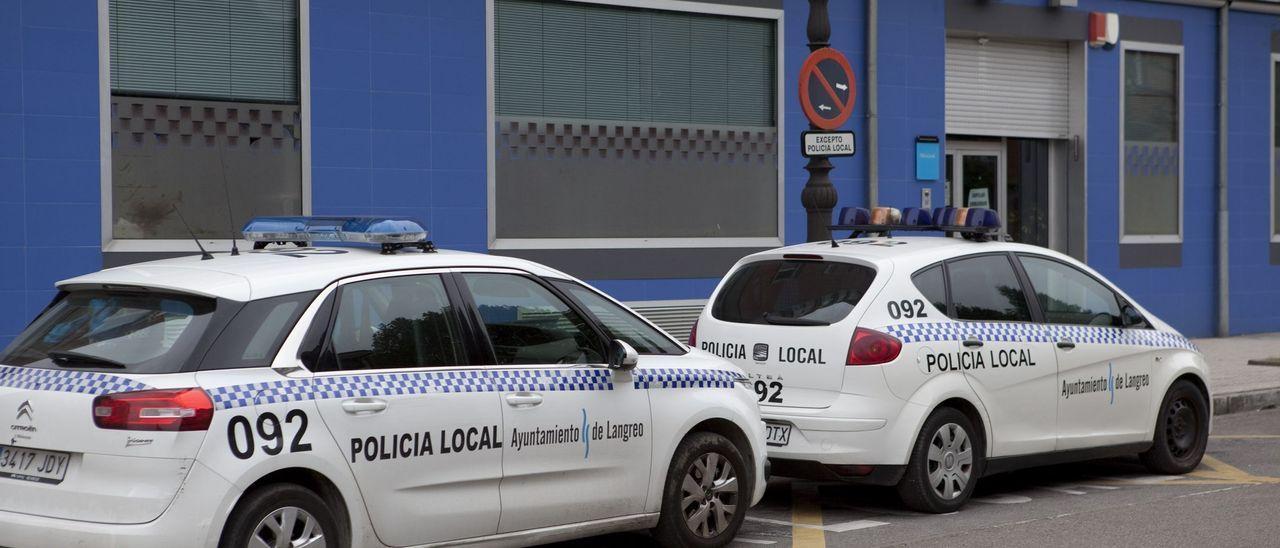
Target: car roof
(281, 271)
(911, 252)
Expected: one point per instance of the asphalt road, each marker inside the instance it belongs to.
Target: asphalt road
(1233, 499)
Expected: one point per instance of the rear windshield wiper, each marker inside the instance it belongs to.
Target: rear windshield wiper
(66, 358)
(783, 320)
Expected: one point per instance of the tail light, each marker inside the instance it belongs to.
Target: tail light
(871, 347)
(171, 410)
(693, 335)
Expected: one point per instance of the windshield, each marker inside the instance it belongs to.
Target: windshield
(127, 331)
(790, 292)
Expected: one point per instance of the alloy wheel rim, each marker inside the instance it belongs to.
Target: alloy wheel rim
(1181, 426)
(288, 527)
(950, 461)
(709, 495)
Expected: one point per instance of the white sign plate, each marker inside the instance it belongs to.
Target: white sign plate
(828, 143)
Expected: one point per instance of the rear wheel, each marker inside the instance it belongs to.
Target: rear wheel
(1182, 431)
(944, 464)
(281, 516)
(706, 495)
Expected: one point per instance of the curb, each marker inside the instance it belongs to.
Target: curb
(1240, 402)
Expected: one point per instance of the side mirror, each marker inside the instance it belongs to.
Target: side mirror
(622, 356)
(1131, 317)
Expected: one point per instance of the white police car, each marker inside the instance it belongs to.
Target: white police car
(927, 362)
(337, 396)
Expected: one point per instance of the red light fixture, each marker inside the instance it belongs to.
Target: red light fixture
(871, 347)
(180, 409)
(693, 335)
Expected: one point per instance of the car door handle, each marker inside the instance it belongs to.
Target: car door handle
(1066, 344)
(524, 399)
(972, 342)
(362, 406)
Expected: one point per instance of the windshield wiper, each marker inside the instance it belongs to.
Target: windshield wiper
(66, 358)
(783, 320)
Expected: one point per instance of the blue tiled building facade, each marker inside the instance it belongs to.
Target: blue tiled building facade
(397, 114)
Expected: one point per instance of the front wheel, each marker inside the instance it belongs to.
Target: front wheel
(281, 515)
(706, 494)
(1182, 431)
(944, 464)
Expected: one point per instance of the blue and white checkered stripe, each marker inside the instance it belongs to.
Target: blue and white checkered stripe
(1031, 332)
(420, 382)
(684, 378)
(79, 382)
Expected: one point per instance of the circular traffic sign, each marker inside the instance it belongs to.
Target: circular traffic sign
(827, 88)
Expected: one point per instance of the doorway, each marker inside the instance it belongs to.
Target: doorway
(1011, 176)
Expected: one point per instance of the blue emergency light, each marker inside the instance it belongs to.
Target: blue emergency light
(973, 223)
(390, 233)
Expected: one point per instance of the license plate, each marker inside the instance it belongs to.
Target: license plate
(777, 435)
(36, 465)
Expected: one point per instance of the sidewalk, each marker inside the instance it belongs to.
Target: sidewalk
(1236, 385)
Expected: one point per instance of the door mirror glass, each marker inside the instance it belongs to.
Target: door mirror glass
(622, 356)
(1131, 316)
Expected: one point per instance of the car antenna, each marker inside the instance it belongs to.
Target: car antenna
(204, 255)
(226, 193)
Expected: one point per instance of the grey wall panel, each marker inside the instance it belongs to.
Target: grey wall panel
(168, 153)
(1144, 29)
(1150, 255)
(592, 179)
(636, 264)
(997, 19)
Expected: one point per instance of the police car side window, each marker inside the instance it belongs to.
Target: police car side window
(1069, 296)
(932, 285)
(986, 288)
(399, 322)
(528, 324)
(619, 322)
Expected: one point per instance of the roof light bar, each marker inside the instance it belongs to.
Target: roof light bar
(975, 223)
(391, 233)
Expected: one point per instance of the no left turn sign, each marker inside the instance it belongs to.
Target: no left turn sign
(827, 88)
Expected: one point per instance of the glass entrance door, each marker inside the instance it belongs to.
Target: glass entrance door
(975, 174)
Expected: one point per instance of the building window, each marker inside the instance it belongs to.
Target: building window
(638, 126)
(1151, 142)
(205, 116)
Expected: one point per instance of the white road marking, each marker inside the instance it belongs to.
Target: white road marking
(832, 528)
(1210, 492)
(1003, 499)
(1092, 486)
(1064, 490)
(754, 541)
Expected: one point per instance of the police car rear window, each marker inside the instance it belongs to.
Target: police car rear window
(791, 292)
(126, 331)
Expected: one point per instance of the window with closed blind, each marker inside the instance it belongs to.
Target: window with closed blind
(205, 117)
(622, 122)
(232, 50)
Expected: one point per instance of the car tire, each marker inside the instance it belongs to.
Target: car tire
(706, 495)
(946, 462)
(281, 506)
(1182, 431)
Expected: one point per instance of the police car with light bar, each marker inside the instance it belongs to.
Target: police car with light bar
(348, 396)
(927, 362)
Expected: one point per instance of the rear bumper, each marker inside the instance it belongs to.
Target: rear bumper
(836, 436)
(187, 522)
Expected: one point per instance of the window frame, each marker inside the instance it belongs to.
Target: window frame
(1033, 305)
(1173, 49)
(591, 317)
(1273, 230)
(290, 355)
(108, 242)
(484, 345)
(706, 8)
(1121, 301)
